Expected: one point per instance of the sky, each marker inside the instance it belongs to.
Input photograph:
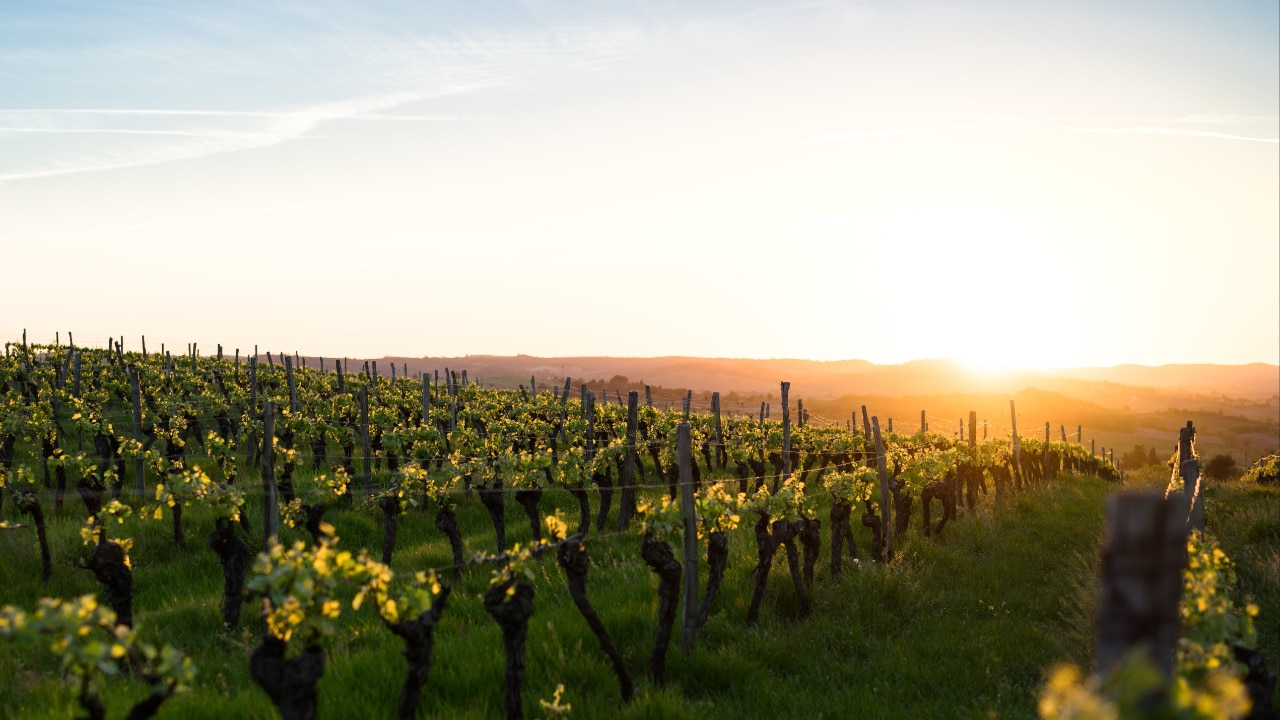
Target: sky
(1038, 184)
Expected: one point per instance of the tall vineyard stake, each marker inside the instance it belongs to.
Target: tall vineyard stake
(648, 396)
(628, 502)
(886, 504)
(973, 430)
(364, 441)
(1063, 430)
(253, 393)
(144, 347)
(1189, 469)
(533, 387)
(1017, 448)
(293, 386)
(800, 413)
(890, 424)
(721, 454)
(786, 431)
(271, 503)
(924, 423)
(139, 483)
(1079, 434)
(564, 411)
(687, 399)
(866, 424)
(1044, 454)
(426, 401)
(689, 606)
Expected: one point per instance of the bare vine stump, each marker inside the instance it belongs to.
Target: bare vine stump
(872, 522)
(290, 683)
(314, 519)
(447, 522)
(603, 481)
(657, 554)
(792, 531)
(766, 546)
(106, 562)
(572, 556)
(841, 536)
(810, 535)
(529, 500)
(419, 636)
(391, 509)
(32, 508)
(512, 613)
(233, 554)
(579, 493)
(717, 560)
(943, 491)
(491, 498)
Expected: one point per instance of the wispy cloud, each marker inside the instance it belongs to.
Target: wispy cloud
(1170, 131)
(273, 128)
(1056, 123)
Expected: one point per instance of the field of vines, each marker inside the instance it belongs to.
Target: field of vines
(209, 537)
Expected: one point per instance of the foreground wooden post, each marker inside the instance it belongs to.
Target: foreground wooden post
(1142, 562)
(689, 606)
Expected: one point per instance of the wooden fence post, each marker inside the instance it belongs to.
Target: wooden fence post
(367, 469)
(1143, 558)
(270, 501)
(866, 424)
(1017, 448)
(924, 422)
(627, 504)
(426, 401)
(886, 501)
(973, 429)
(1044, 455)
(1189, 469)
(722, 455)
(138, 469)
(689, 609)
(786, 431)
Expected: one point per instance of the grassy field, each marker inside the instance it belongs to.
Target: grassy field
(958, 626)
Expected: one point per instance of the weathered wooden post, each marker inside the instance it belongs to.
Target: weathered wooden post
(1044, 455)
(924, 423)
(426, 401)
(1143, 559)
(367, 468)
(786, 431)
(689, 606)
(1017, 448)
(1189, 469)
(722, 456)
(627, 503)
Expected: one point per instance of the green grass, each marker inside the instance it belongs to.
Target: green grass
(958, 626)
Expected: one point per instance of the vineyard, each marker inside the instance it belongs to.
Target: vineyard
(217, 537)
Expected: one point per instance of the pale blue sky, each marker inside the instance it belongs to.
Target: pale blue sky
(619, 178)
